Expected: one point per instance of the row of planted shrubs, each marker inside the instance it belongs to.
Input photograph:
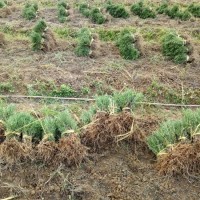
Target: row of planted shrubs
(174, 131)
(52, 127)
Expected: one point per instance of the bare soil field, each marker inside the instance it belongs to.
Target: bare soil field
(126, 170)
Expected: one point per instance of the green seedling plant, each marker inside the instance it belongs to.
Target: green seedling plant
(173, 46)
(162, 8)
(103, 103)
(6, 111)
(84, 9)
(97, 17)
(173, 131)
(87, 115)
(2, 4)
(142, 10)
(84, 42)
(126, 46)
(117, 10)
(62, 11)
(30, 11)
(194, 9)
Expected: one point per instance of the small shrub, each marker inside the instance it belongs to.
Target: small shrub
(194, 9)
(103, 102)
(117, 10)
(126, 46)
(6, 111)
(84, 9)
(62, 11)
(174, 47)
(184, 15)
(40, 26)
(2, 4)
(63, 91)
(173, 12)
(170, 132)
(97, 17)
(127, 98)
(29, 11)
(87, 115)
(6, 87)
(84, 42)
(162, 8)
(142, 11)
(63, 4)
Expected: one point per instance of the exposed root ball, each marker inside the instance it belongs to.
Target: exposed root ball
(102, 133)
(46, 151)
(71, 151)
(2, 39)
(14, 152)
(4, 12)
(95, 47)
(184, 159)
(139, 44)
(49, 41)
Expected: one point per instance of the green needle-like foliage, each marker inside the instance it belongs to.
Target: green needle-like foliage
(84, 9)
(170, 131)
(127, 98)
(103, 102)
(65, 121)
(174, 47)
(173, 12)
(62, 11)
(84, 41)
(97, 17)
(40, 26)
(2, 4)
(126, 46)
(184, 15)
(87, 115)
(36, 39)
(24, 123)
(162, 8)
(29, 11)
(142, 10)
(63, 4)
(194, 9)
(6, 111)
(117, 10)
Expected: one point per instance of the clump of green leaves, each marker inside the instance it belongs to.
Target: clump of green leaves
(117, 10)
(97, 17)
(173, 46)
(142, 10)
(84, 42)
(30, 11)
(25, 124)
(63, 91)
(171, 131)
(87, 115)
(184, 15)
(126, 46)
(36, 35)
(63, 11)
(173, 12)
(84, 9)
(194, 9)
(2, 4)
(6, 111)
(103, 102)
(127, 98)
(162, 8)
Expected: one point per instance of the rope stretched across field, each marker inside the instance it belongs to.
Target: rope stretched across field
(92, 99)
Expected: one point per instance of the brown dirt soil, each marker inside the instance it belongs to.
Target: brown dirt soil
(2, 39)
(49, 41)
(182, 159)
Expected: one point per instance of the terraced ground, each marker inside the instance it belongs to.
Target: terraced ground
(126, 171)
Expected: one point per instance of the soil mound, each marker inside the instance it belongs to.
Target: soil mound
(183, 159)
(4, 12)
(50, 43)
(107, 130)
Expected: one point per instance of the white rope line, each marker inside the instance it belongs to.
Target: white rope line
(92, 99)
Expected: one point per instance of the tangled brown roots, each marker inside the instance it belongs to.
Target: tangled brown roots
(68, 151)
(14, 152)
(103, 132)
(184, 159)
(71, 151)
(49, 41)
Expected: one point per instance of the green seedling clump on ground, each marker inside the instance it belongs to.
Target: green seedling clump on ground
(126, 46)
(173, 46)
(84, 42)
(97, 17)
(62, 11)
(30, 11)
(142, 10)
(194, 9)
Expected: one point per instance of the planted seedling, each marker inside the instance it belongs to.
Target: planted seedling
(30, 11)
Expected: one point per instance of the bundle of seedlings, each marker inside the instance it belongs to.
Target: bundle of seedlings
(84, 42)
(63, 11)
(97, 16)
(106, 129)
(162, 141)
(4, 9)
(126, 45)
(2, 40)
(30, 11)
(175, 48)
(194, 9)
(142, 10)
(84, 9)
(117, 10)
(162, 8)
(88, 115)
(42, 37)
(183, 159)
